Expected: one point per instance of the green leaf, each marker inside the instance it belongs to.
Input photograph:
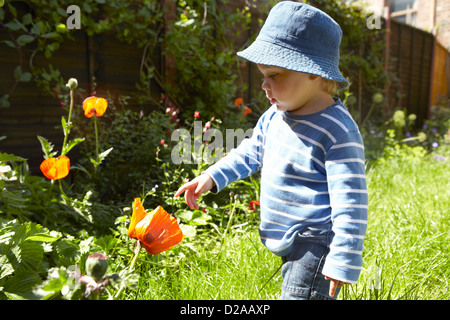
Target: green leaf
(41, 237)
(27, 19)
(21, 284)
(14, 199)
(17, 72)
(66, 129)
(39, 28)
(10, 157)
(6, 268)
(68, 252)
(25, 77)
(31, 255)
(24, 39)
(104, 154)
(71, 144)
(62, 12)
(87, 7)
(52, 35)
(9, 43)
(47, 147)
(21, 76)
(12, 10)
(197, 217)
(13, 25)
(4, 102)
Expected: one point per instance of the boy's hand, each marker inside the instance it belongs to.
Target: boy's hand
(334, 284)
(194, 189)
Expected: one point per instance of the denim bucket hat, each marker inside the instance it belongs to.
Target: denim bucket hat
(299, 37)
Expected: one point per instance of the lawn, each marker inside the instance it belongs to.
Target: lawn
(405, 253)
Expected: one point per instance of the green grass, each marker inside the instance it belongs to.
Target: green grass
(240, 269)
(405, 254)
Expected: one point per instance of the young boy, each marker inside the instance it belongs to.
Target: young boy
(310, 152)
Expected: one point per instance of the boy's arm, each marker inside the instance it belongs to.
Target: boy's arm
(239, 163)
(345, 165)
(242, 161)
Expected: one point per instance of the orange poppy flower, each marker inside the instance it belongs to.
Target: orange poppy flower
(94, 105)
(157, 230)
(253, 203)
(247, 110)
(238, 102)
(55, 168)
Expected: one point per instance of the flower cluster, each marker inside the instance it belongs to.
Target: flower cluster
(55, 168)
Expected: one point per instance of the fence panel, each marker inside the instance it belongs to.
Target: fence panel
(411, 56)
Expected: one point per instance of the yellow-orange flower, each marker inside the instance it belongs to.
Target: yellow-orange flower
(156, 230)
(55, 168)
(94, 105)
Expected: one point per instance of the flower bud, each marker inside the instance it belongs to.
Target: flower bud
(96, 265)
(377, 98)
(61, 27)
(72, 83)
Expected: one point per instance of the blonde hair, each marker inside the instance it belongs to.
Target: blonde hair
(330, 86)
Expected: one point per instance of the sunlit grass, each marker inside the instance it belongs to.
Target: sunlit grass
(241, 269)
(405, 253)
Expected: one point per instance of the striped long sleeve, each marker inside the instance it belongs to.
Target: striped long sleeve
(312, 183)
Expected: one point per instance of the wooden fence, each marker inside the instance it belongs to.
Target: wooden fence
(410, 52)
(116, 67)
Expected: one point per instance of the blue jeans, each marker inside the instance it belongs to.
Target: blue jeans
(302, 270)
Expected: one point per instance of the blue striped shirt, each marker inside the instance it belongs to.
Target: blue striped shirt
(312, 182)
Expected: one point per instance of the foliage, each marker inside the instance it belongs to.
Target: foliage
(203, 68)
(47, 233)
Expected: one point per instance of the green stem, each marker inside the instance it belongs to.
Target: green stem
(131, 267)
(136, 254)
(66, 135)
(96, 140)
(71, 106)
(62, 190)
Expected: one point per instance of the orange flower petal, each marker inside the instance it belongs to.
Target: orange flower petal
(137, 216)
(247, 110)
(238, 102)
(158, 231)
(253, 203)
(94, 105)
(55, 168)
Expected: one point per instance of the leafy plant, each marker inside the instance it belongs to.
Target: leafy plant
(22, 248)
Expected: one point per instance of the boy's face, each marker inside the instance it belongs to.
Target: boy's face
(290, 90)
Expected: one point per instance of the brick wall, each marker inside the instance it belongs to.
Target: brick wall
(442, 21)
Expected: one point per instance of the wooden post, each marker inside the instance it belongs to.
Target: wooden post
(169, 62)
